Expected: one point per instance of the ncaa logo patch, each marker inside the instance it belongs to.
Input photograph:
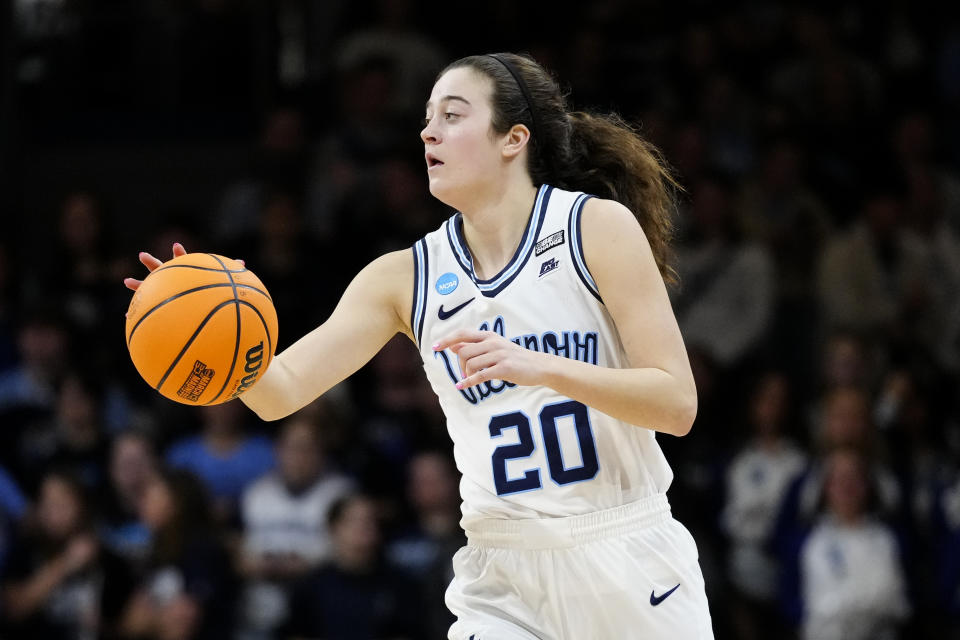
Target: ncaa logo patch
(447, 283)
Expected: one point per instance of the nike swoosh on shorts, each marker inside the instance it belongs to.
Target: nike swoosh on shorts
(655, 599)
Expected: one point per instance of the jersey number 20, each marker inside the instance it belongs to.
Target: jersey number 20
(551, 441)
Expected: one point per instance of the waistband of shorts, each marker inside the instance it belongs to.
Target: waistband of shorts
(569, 531)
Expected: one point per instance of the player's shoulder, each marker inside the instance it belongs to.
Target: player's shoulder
(390, 275)
(607, 214)
(387, 269)
(605, 224)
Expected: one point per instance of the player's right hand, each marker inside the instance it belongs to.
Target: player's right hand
(152, 263)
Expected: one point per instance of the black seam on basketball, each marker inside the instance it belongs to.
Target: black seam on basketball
(266, 329)
(183, 293)
(196, 266)
(190, 341)
(236, 345)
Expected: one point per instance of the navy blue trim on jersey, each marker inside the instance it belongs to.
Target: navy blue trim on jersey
(499, 282)
(576, 246)
(420, 274)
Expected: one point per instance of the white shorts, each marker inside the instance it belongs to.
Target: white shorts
(622, 573)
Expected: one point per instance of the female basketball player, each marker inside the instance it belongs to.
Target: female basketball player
(546, 331)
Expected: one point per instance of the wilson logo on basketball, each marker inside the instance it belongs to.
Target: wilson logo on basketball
(254, 359)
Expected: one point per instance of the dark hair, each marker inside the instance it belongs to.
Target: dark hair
(339, 507)
(873, 503)
(192, 517)
(602, 155)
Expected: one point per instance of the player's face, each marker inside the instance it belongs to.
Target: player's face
(461, 151)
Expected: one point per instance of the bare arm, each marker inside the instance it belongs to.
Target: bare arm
(658, 390)
(26, 597)
(373, 309)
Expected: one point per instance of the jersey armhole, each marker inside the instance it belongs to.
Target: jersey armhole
(576, 246)
(420, 269)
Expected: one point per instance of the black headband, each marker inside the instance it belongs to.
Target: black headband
(523, 89)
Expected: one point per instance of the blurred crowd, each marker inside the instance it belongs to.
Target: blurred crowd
(817, 244)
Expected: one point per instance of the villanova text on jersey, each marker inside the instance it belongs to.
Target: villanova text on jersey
(578, 345)
(529, 451)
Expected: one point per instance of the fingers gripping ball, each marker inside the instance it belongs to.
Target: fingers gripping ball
(201, 329)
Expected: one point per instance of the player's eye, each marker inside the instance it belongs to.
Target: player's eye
(449, 115)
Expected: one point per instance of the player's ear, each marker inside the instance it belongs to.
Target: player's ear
(515, 140)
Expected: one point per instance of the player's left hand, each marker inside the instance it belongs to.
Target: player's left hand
(486, 355)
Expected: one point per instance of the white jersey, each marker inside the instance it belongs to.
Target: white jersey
(853, 583)
(529, 452)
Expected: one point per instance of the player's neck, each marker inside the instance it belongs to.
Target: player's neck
(494, 225)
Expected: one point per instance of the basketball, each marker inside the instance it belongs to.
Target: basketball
(201, 329)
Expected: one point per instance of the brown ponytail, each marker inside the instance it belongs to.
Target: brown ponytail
(611, 160)
(599, 155)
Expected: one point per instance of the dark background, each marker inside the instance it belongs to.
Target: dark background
(818, 235)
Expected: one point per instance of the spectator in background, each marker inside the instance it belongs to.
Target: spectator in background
(133, 463)
(13, 509)
(916, 140)
(846, 360)
(778, 209)
(285, 531)
(43, 355)
(281, 251)
(279, 163)
(399, 414)
(728, 116)
(935, 321)
(846, 422)
(835, 92)
(80, 273)
(688, 151)
(393, 33)
(356, 595)
(188, 589)
(224, 457)
(55, 586)
(873, 277)
(74, 437)
(946, 566)
(424, 548)
(397, 203)
(435, 523)
(757, 479)
(907, 414)
(853, 583)
(726, 299)
(28, 391)
(361, 132)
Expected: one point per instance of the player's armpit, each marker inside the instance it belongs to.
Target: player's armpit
(373, 309)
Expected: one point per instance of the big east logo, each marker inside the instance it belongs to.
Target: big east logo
(254, 358)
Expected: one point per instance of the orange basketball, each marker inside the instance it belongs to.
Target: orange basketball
(201, 329)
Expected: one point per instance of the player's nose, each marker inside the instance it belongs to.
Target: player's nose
(429, 133)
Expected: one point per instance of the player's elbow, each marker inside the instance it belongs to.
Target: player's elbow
(270, 416)
(686, 414)
(266, 407)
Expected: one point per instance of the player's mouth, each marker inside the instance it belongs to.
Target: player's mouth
(433, 162)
